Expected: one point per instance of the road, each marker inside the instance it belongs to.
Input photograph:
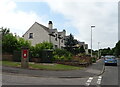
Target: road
(109, 77)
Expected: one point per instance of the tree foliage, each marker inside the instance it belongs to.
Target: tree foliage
(70, 41)
(70, 45)
(82, 50)
(5, 31)
(9, 43)
(107, 51)
(38, 48)
(22, 42)
(117, 48)
(62, 55)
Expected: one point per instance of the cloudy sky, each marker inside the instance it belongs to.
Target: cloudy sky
(75, 16)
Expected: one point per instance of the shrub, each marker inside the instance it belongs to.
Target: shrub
(9, 43)
(36, 50)
(93, 59)
(22, 42)
(61, 55)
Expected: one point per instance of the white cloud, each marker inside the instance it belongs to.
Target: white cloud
(84, 14)
(18, 21)
(80, 13)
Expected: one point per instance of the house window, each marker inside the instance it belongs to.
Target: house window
(30, 35)
(56, 46)
(62, 41)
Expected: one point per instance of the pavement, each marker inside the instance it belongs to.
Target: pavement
(95, 69)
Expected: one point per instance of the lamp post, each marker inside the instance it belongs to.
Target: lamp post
(91, 38)
(98, 50)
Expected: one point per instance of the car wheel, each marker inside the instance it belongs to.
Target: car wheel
(115, 64)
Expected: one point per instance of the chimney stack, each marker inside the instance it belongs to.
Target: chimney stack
(50, 25)
(64, 32)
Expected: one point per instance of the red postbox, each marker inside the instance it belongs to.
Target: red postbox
(24, 57)
(25, 54)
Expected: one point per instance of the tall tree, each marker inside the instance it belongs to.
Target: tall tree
(117, 49)
(9, 43)
(70, 41)
(82, 50)
(107, 51)
(5, 31)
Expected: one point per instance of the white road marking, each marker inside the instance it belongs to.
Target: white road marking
(100, 77)
(91, 78)
(87, 84)
(99, 80)
(89, 81)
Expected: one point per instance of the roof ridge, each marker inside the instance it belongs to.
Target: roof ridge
(41, 25)
(44, 27)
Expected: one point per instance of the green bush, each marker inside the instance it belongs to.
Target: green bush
(94, 59)
(61, 55)
(9, 43)
(22, 42)
(36, 50)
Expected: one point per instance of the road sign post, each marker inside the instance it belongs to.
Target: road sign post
(24, 57)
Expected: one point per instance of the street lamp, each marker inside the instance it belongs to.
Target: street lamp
(98, 50)
(91, 38)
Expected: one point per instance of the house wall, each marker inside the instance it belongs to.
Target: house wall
(57, 42)
(39, 34)
(54, 41)
(62, 44)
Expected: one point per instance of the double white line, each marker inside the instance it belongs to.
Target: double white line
(91, 78)
(99, 80)
(89, 81)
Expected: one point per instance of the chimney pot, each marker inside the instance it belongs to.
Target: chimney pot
(50, 25)
(50, 22)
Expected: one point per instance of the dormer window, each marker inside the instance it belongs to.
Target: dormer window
(30, 35)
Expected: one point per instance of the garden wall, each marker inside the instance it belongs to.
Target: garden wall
(7, 57)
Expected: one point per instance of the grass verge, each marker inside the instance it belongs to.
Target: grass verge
(42, 66)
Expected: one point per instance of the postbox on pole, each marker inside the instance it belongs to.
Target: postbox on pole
(24, 57)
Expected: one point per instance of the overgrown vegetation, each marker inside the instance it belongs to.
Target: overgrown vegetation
(61, 55)
(71, 43)
(117, 49)
(22, 42)
(36, 50)
(111, 51)
(11, 43)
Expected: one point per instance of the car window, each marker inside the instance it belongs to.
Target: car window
(109, 57)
